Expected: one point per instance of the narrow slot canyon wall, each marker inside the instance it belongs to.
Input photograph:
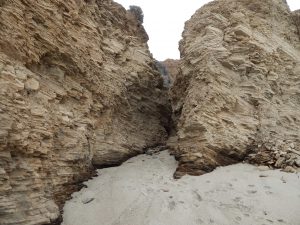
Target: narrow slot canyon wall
(237, 94)
(172, 66)
(78, 90)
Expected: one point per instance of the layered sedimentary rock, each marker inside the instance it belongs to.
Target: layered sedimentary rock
(237, 94)
(78, 89)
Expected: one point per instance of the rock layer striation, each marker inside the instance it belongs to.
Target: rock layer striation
(78, 89)
(237, 93)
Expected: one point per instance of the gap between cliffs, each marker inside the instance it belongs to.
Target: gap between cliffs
(79, 90)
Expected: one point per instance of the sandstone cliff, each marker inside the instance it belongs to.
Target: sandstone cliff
(78, 89)
(237, 94)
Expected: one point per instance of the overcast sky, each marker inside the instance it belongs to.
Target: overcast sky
(164, 22)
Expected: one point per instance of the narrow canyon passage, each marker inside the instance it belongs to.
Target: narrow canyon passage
(80, 90)
(142, 191)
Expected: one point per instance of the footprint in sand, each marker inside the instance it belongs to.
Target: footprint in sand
(251, 191)
(238, 218)
(199, 221)
(198, 196)
(237, 199)
(172, 205)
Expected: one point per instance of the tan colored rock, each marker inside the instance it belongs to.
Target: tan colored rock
(32, 84)
(289, 169)
(238, 88)
(172, 66)
(94, 99)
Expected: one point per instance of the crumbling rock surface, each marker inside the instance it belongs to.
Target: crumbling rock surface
(237, 94)
(78, 88)
(172, 66)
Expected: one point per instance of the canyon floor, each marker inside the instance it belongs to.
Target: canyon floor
(142, 191)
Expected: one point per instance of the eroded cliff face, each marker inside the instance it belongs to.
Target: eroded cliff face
(78, 89)
(237, 94)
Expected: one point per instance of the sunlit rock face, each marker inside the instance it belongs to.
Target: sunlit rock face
(237, 94)
(78, 88)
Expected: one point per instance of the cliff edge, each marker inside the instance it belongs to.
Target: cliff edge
(237, 94)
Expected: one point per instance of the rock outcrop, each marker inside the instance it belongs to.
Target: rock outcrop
(78, 89)
(237, 95)
(172, 66)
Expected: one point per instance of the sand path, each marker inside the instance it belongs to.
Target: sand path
(143, 192)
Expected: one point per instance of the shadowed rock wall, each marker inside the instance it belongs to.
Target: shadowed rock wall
(78, 89)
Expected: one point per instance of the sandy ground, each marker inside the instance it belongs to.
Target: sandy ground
(143, 192)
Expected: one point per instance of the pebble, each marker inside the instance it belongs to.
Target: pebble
(263, 168)
(263, 175)
(32, 84)
(289, 169)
